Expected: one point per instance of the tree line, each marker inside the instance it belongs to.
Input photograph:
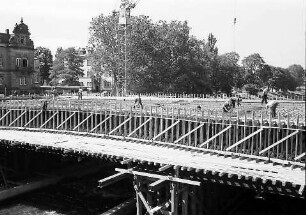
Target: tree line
(163, 57)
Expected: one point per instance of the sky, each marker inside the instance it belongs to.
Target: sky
(276, 29)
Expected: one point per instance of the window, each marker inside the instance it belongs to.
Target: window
(107, 84)
(1, 62)
(36, 79)
(1, 80)
(18, 62)
(22, 81)
(24, 62)
(22, 40)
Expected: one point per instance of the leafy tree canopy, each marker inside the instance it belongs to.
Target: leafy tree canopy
(45, 62)
(67, 67)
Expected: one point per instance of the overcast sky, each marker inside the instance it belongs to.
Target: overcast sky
(273, 28)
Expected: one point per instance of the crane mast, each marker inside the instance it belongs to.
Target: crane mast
(124, 22)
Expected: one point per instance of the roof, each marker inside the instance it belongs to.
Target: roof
(4, 38)
(21, 28)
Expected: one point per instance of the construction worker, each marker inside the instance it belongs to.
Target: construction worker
(272, 105)
(138, 102)
(45, 106)
(265, 95)
(227, 106)
(80, 94)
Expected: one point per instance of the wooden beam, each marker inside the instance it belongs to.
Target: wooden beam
(17, 118)
(112, 179)
(162, 206)
(133, 132)
(49, 119)
(300, 156)
(66, 120)
(213, 137)
(151, 175)
(164, 131)
(144, 202)
(126, 161)
(5, 115)
(165, 167)
(107, 118)
(190, 132)
(82, 122)
(244, 139)
(119, 126)
(33, 118)
(278, 142)
(157, 185)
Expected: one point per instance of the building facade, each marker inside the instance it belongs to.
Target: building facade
(17, 72)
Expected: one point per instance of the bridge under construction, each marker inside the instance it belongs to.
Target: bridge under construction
(174, 159)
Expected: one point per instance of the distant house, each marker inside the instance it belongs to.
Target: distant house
(86, 79)
(17, 61)
(101, 83)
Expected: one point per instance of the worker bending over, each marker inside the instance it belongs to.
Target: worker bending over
(272, 105)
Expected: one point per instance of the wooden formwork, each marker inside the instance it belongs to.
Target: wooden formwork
(244, 137)
(292, 112)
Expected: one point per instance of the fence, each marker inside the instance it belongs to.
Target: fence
(248, 137)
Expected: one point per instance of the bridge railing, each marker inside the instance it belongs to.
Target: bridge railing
(246, 138)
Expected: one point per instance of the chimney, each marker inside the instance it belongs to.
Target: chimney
(7, 31)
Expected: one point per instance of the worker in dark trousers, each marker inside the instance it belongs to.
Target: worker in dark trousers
(138, 102)
(227, 106)
(45, 106)
(264, 98)
(272, 105)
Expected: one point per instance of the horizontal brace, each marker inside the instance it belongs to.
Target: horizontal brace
(169, 178)
(278, 142)
(112, 179)
(244, 139)
(157, 185)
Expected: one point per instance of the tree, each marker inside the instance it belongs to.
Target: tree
(282, 79)
(298, 73)
(45, 62)
(229, 72)
(253, 66)
(160, 56)
(67, 67)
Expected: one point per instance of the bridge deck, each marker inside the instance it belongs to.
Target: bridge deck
(199, 160)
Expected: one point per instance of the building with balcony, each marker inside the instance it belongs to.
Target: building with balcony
(17, 72)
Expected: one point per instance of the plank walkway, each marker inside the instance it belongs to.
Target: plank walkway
(195, 159)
